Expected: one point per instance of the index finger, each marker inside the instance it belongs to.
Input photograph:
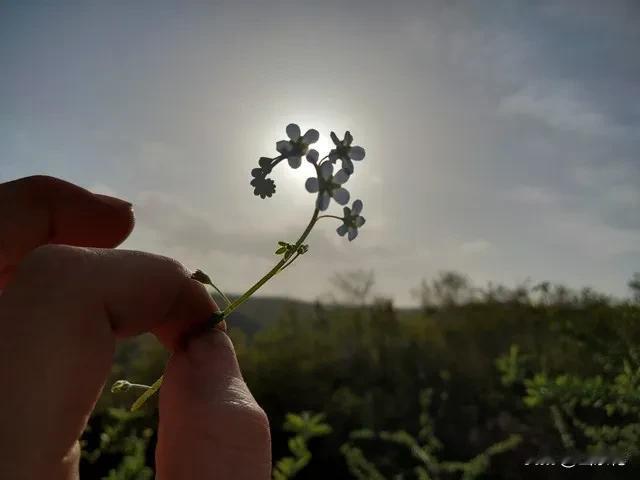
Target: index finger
(39, 210)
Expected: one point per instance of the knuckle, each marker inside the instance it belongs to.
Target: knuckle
(50, 260)
(39, 179)
(177, 267)
(48, 253)
(34, 185)
(169, 266)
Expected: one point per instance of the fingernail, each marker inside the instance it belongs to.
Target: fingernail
(113, 201)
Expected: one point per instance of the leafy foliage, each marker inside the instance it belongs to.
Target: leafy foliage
(424, 449)
(121, 446)
(305, 426)
(471, 385)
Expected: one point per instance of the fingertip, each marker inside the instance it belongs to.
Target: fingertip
(82, 218)
(188, 317)
(113, 201)
(122, 219)
(214, 351)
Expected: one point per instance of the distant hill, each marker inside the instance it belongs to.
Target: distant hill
(260, 312)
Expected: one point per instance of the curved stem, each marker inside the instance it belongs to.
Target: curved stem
(273, 271)
(276, 161)
(140, 386)
(281, 265)
(330, 216)
(277, 268)
(226, 299)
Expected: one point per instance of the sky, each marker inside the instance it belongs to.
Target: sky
(502, 138)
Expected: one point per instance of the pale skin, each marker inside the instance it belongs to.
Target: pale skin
(67, 297)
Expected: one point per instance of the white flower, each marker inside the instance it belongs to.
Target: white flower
(328, 186)
(294, 148)
(345, 152)
(352, 220)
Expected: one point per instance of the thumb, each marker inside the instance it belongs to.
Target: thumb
(210, 424)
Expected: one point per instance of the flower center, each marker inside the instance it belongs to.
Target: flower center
(350, 221)
(327, 185)
(343, 151)
(299, 147)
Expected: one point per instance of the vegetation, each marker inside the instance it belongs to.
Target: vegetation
(474, 384)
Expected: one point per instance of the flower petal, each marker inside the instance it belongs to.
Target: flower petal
(341, 177)
(335, 139)
(326, 170)
(312, 156)
(312, 185)
(356, 153)
(360, 221)
(346, 211)
(348, 138)
(323, 201)
(341, 195)
(347, 165)
(356, 208)
(293, 131)
(333, 155)
(342, 230)
(311, 136)
(283, 146)
(294, 162)
(353, 233)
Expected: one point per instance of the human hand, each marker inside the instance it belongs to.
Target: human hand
(67, 297)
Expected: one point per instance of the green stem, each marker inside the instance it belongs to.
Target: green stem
(226, 299)
(245, 296)
(290, 261)
(146, 395)
(140, 386)
(276, 161)
(330, 216)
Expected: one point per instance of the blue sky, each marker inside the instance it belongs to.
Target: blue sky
(502, 138)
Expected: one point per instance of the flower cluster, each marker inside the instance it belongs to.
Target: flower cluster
(326, 184)
(263, 186)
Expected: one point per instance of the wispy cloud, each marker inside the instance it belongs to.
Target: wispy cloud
(558, 108)
(502, 137)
